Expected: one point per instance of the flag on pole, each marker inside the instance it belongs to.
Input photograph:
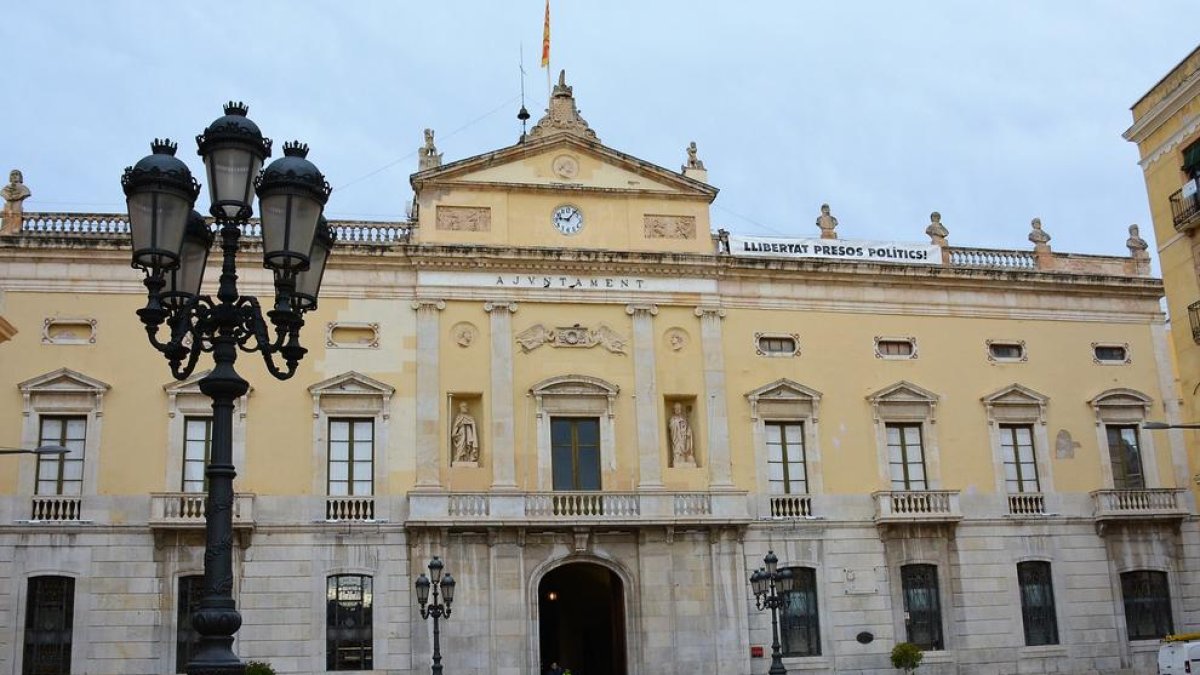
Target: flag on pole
(546, 38)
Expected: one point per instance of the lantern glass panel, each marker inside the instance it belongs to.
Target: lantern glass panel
(422, 589)
(289, 222)
(308, 282)
(447, 585)
(157, 221)
(184, 283)
(231, 171)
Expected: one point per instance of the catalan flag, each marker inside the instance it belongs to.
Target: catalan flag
(546, 38)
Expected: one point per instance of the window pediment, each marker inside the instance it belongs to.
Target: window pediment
(1015, 402)
(580, 388)
(66, 388)
(1121, 405)
(185, 396)
(351, 392)
(773, 399)
(904, 400)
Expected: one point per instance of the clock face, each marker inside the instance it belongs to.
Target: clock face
(568, 219)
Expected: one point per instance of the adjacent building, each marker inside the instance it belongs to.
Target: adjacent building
(602, 414)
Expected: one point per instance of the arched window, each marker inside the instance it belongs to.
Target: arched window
(799, 628)
(1147, 604)
(348, 622)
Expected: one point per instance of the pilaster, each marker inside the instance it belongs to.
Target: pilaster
(503, 441)
(720, 467)
(646, 397)
(428, 397)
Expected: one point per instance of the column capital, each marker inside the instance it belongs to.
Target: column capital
(710, 311)
(500, 305)
(428, 303)
(635, 309)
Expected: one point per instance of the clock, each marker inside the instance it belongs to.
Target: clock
(568, 219)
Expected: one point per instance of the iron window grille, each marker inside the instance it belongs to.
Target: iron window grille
(922, 606)
(348, 623)
(1147, 604)
(49, 615)
(1037, 603)
(799, 625)
(187, 638)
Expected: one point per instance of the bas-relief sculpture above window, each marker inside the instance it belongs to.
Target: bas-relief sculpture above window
(571, 336)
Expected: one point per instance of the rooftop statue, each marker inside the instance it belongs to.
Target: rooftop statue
(827, 223)
(562, 117)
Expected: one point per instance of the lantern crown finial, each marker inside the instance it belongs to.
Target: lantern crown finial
(295, 149)
(236, 108)
(164, 146)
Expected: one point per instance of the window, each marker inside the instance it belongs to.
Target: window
(49, 615)
(348, 639)
(906, 456)
(786, 470)
(776, 345)
(922, 606)
(61, 474)
(191, 589)
(1037, 603)
(351, 457)
(799, 628)
(1191, 160)
(1006, 351)
(1147, 604)
(197, 448)
(1110, 353)
(1125, 456)
(1020, 463)
(575, 452)
(895, 348)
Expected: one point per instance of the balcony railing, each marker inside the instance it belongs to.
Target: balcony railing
(56, 509)
(1185, 210)
(185, 510)
(1027, 504)
(577, 507)
(1148, 504)
(1194, 318)
(911, 506)
(350, 508)
(791, 507)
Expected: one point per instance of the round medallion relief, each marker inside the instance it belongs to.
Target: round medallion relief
(676, 339)
(464, 333)
(565, 166)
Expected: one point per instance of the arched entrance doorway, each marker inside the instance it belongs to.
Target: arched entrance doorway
(581, 620)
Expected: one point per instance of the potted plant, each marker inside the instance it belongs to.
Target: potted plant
(906, 655)
(259, 668)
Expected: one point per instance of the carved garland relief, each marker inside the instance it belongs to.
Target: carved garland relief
(464, 218)
(669, 227)
(571, 336)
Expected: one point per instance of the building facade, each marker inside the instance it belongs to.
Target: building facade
(602, 415)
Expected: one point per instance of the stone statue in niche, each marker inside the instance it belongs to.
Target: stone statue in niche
(465, 437)
(683, 450)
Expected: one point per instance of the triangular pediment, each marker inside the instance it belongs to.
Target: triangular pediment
(784, 389)
(1015, 394)
(563, 162)
(64, 380)
(191, 384)
(903, 392)
(351, 383)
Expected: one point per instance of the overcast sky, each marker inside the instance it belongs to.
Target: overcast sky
(991, 113)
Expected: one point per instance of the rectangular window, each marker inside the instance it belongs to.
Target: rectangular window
(348, 635)
(197, 448)
(1126, 457)
(61, 474)
(786, 470)
(799, 628)
(922, 606)
(1147, 604)
(906, 456)
(1020, 464)
(191, 589)
(351, 457)
(1037, 603)
(575, 452)
(49, 614)
(895, 348)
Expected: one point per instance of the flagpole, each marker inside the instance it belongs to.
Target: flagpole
(546, 53)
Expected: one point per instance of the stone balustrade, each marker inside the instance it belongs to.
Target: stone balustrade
(1146, 504)
(339, 509)
(917, 506)
(185, 510)
(56, 509)
(577, 507)
(791, 507)
(99, 225)
(1027, 504)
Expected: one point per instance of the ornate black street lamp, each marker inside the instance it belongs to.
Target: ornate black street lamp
(770, 584)
(435, 609)
(171, 243)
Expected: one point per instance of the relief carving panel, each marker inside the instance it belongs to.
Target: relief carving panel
(669, 227)
(464, 218)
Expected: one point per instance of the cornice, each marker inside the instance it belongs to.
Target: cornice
(1163, 110)
(1186, 129)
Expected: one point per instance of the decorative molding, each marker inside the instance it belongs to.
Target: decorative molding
(896, 357)
(570, 337)
(1120, 405)
(575, 386)
(1024, 357)
(902, 394)
(1122, 345)
(1160, 112)
(63, 382)
(371, 340)
(464, 218)
(709, 310)
(784, 391)
(349, 384)
(677, 338)
(655, 226)
(68, 325)
(499, 305)
(191, 387)
(565, 166)
(1188, 128)
(1014, 397)
(426, 303)
(633, 309)
(794, 337)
